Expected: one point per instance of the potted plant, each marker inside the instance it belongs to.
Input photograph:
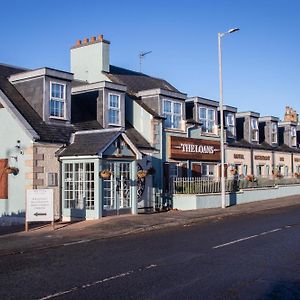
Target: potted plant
(151, 171)
(105, 174)
(142, 174)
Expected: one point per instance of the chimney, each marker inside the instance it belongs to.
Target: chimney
(290, 115)
(90, 58)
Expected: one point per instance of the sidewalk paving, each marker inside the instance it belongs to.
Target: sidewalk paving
(44, 237)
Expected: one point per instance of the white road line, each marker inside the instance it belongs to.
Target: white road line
(77, 242)
(246, 238)
(87, 285)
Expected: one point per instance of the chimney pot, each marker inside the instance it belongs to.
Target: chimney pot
(93, 39)
(78, 42)
(100, 37)
(86, 40)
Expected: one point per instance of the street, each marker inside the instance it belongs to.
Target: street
(253, 256)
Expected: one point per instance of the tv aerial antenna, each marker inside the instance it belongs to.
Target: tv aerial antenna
(142, 56)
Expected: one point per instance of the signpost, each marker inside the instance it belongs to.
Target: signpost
(39, 206)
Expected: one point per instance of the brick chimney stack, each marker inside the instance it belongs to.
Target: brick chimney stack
(90, 58)
(290, 115)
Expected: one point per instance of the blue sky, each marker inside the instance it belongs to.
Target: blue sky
(261, 62)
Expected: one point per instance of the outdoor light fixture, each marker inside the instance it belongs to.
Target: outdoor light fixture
(220, 35)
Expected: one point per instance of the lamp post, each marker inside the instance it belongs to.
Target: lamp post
(220, 35)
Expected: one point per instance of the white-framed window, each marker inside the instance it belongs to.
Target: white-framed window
(230, 123)
(274, 130)
(245, 170)
(172, 110)
(207, 116)
(267, 170)
(254, 130)
(79, 185)
(293, 136)
(259, 169)
(114, 109)
(52, 179)
(57, 104)
(208, 170)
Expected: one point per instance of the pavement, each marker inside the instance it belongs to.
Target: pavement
(13, 241)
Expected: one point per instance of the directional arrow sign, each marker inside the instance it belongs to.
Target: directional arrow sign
(39, 205)
(40, 214)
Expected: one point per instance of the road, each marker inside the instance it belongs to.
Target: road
(253, 256)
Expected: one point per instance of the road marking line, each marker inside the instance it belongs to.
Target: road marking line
(87, 285)
(246, 238)
(76, 242)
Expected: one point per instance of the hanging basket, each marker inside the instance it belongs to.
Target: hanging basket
(141, 174)
(12, 170)
(151, 171)
(105, 174)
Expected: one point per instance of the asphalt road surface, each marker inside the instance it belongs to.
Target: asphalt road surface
(253, 256)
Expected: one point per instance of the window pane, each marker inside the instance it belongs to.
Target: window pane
(113, 116)
(177, 108)
(230, 120)
(167, 106)
(114, 101)
(211, 114)
(202, 113)
(254, 124)
(176, 123)
(168, 121)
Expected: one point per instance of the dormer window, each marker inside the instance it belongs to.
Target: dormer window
(274, 133)
(207, 116)
(254, 130)
(230, 123)
(114, 109)
(57, 100)
(293, 136)
(172, 110)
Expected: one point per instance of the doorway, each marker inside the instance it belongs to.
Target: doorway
(117, 189)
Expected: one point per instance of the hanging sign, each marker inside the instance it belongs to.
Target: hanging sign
(195, 149)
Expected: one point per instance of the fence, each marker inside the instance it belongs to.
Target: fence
(200, 185)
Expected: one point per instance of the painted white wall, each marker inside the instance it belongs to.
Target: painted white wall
(10, 132)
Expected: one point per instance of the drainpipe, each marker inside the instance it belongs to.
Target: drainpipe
(252, 161)
(292, 162)
(189, 162)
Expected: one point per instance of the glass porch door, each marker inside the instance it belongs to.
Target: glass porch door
(116, 189)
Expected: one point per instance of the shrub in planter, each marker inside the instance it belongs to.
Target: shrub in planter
(105, 174)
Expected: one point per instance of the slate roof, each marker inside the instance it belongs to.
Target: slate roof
(139, 101)
(136, 138)
(136, 81)
(90, 143)
(262, 146)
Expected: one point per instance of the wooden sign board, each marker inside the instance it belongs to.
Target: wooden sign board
(194, 149)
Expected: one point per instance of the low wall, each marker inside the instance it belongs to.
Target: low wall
(190, 201)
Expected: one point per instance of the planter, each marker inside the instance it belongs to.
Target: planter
(12, 170)
(151, 171)
(105, 174)
(141, 174)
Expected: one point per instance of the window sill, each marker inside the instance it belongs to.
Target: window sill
(174, 130)
(209, 134)
(114, 125)
(58, 118)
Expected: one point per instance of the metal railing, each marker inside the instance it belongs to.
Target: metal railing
(200, 185)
